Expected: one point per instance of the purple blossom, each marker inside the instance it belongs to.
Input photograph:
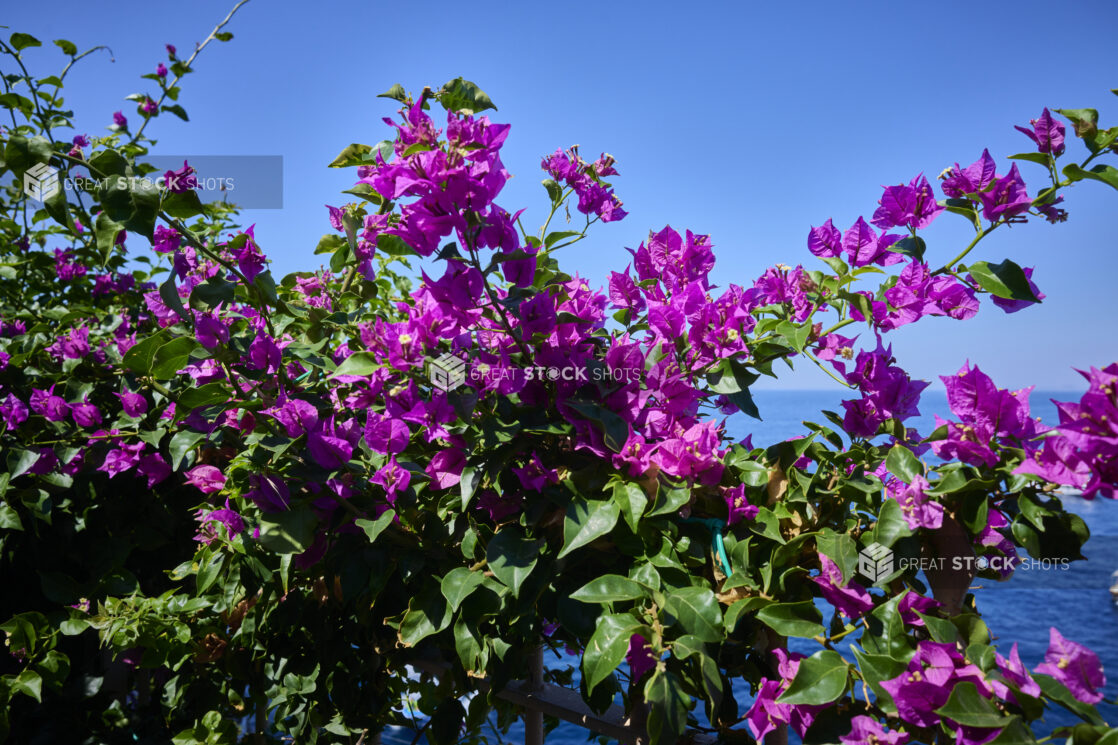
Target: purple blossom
(499, 506)
(863, 246)
(208, 479)
(154, 468)
(912, 206)
(182, 180)
(825, 241)
(1006, 198)
(445, 468)
(228, 518)
(925, 686)
(161, 70)
(134, 404)
(868, 731)
(849, 598)
(122, 458)
(534, 476)
(269, 492)
(51, 407)
(919, 510)
(766, 714)
(85, 414)
(210, 332)
(639, 657)
(120, 120)
(738, 507)
(1014, 671)
(1075, 666)
(392, 478)
(13, 411)
(385, 434)
(1047, 133)
(958, 182)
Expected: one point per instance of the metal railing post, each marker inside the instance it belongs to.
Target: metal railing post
(533, 718)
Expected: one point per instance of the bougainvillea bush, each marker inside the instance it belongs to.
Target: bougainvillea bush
(245, 508)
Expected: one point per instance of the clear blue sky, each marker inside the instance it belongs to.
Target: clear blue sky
(749, 122)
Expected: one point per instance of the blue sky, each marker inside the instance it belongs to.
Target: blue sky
(748, 121)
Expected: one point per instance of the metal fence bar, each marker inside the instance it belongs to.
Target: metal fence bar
(533, 718)
(566, 704)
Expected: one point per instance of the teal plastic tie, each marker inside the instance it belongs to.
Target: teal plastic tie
(716, 527)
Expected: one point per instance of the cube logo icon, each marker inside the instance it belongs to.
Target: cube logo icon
(447, 372)
(875, 562)
(40, 182)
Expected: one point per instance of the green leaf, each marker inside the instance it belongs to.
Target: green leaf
(427, 614)
(213, 292)
(632, 500)
(1040, 158)
(396, 93)
(615, 430)
(968, 708)
(587, 520)
(1057, 691)
(1104, 173)
(208, 572)
(106, 231)
(891, 525)
(876, 668)
(373, 528)
(290, 532)
(609, 588)
(458, 584)
(607, 647)
(462, 95)
(182, 443)
(30, 684)
(512, 556)
(330, 243)
(697, 612)
(1085, 121)
(352, 155)
(180, 112)
(903, 464)
(361, 364)
(20, 461)
(9, 518)
(172, 357)
(468, 484)
(554, 190)
(207, 395)
(793, 619)
(912, 245)
(68, 47)
(1004, 280)
(132, 203)
(819, 680)
(839, 548)
(20, 42)
(183, 205)
(668, 705)
(560, 235)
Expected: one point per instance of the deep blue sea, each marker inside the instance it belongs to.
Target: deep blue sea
(1076, 601)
